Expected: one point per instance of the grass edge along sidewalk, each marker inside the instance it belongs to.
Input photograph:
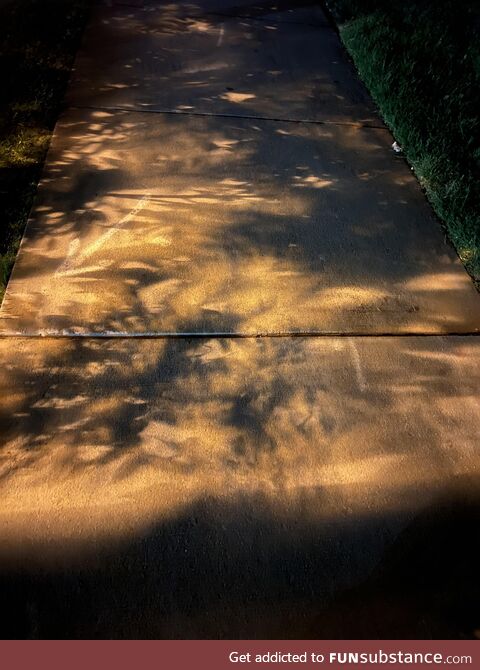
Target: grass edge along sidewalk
(421, 64)
(38, 43)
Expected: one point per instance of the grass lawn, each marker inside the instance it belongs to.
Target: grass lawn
(38, 41)
(420, 60)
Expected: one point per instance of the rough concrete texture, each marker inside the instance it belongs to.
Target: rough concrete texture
(213, 64)
(158, 223)
(240, 488)
(276, 487)
(303, 11)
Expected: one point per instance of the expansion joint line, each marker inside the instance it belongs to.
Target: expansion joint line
(225, 115)
(109, 335)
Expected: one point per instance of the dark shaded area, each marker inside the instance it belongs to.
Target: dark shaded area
(185, 57)
(37, 43)
(237, 571)
(427, 583)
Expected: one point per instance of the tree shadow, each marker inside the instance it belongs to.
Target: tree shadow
(143, 480)
(149, 223)
(268, 404)
(247, 569)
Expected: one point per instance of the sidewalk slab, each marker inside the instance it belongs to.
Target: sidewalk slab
(188, 488)
(156, 223)
(307, 12)
(158, 60)
(229, 487)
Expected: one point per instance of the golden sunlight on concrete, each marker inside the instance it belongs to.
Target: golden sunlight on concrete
(103, 439)
(152, 223)
(223, 487)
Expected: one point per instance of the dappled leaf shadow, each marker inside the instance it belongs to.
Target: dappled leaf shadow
(144, 479)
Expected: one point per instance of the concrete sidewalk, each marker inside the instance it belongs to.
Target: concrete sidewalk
(264, 198)
(219, 172)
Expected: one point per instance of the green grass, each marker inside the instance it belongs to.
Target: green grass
(38, 41)
(420, 60)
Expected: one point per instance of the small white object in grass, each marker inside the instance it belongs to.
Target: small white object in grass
(397, 148)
